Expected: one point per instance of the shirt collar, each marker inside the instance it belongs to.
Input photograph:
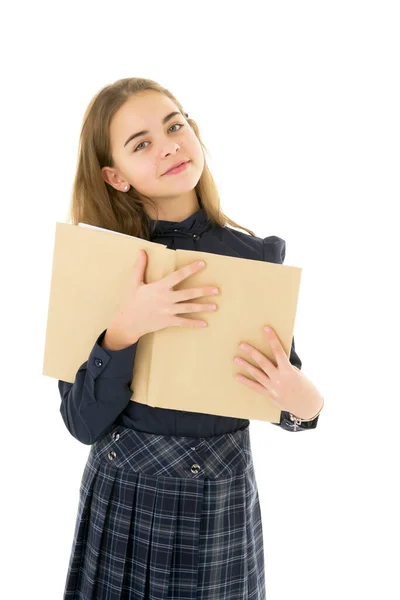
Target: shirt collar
(198, 223)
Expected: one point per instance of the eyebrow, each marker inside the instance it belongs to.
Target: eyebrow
(139, 133)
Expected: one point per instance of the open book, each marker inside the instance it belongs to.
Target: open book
(181, 368)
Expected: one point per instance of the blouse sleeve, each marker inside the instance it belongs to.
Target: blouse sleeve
(100, 392)
(274, 249)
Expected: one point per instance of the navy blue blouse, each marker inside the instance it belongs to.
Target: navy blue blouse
(100, 395)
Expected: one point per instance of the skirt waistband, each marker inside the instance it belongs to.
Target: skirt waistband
(217, 457)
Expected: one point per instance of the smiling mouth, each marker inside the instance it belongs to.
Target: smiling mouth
(177, 168)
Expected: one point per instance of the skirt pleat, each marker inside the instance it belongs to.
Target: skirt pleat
(75, 568)
(98, 539)
(164, 517)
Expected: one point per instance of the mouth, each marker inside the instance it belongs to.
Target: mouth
(178, 167)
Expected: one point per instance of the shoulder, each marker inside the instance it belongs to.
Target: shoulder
(271, 248)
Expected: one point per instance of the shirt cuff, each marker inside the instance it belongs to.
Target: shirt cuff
(111, 364)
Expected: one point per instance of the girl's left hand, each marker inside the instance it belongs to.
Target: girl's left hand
(288, 387)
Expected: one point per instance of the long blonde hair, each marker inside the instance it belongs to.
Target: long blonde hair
(96, 202)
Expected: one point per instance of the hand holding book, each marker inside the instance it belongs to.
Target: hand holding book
(149, 307)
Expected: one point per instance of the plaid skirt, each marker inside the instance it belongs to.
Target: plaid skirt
(165, 517)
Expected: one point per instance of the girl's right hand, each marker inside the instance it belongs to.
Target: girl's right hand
(148, 307)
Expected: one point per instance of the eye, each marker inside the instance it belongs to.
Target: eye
(180, 127)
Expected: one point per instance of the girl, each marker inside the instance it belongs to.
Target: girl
(168, 505)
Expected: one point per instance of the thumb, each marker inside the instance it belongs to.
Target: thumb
(140, 266)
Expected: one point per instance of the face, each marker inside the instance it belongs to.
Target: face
(142, 161)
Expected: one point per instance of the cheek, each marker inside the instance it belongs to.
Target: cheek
(143, 176)
(143, 167)
(196, 151)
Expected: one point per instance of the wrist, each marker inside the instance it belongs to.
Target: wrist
(115, 340)
(314, 411)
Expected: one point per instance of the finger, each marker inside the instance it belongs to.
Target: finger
(176, 277)
(276, 347)
(258, 374)
(190, 307)
(183, 322)
(267, 366)
(191, 293)
(258, 388)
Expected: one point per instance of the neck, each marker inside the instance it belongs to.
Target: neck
(176, 210)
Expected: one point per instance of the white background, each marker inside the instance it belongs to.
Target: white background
(298, 105)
